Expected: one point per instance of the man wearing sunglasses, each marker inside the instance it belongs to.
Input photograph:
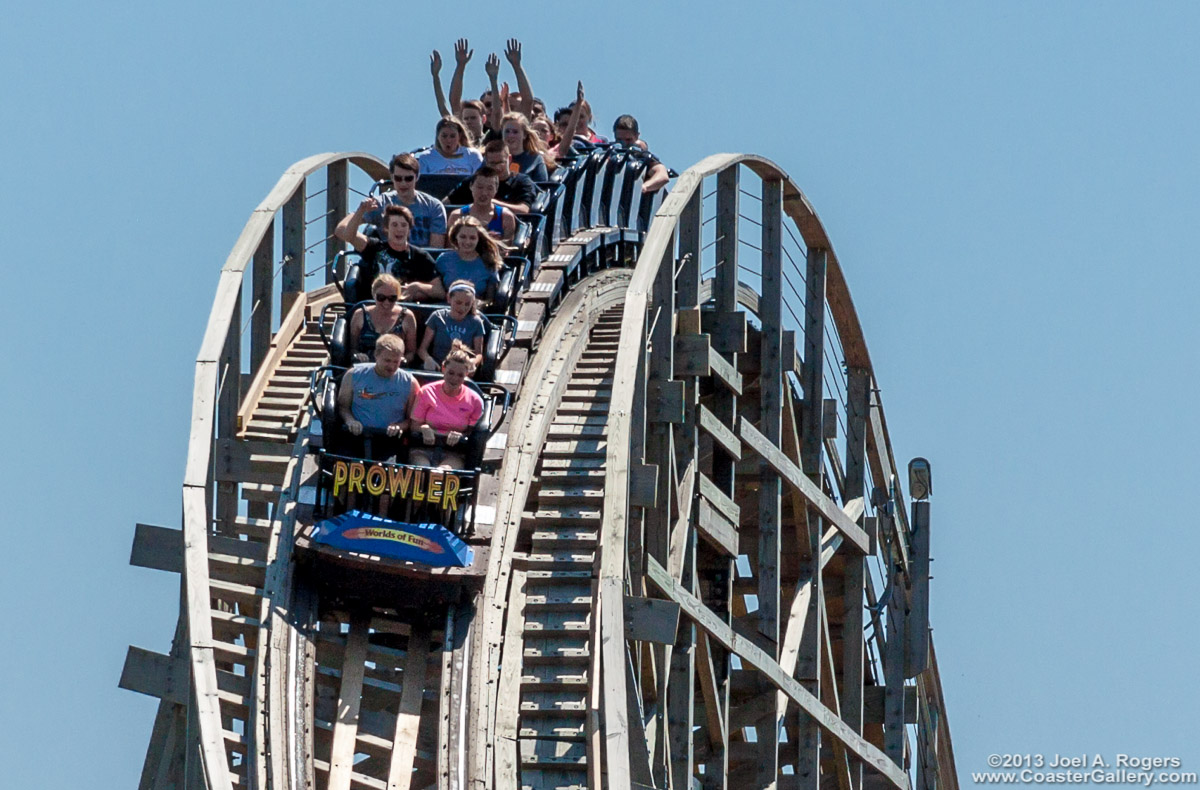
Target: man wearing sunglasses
(429, 215)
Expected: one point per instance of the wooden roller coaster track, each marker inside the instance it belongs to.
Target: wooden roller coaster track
(694, 562)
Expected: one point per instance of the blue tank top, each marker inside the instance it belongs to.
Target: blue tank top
(497, 224)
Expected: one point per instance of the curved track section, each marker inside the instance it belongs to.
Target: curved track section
(695, 566)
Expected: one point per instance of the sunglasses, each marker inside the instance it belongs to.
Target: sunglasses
(386, 298)
(404, 179)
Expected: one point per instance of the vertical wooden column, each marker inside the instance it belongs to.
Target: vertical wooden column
(262, 276)
(292, 280)
(916, 657)
(771, 385)
(681, 691)
(724, 407)
(664, 409)
(808, 667)
(229, 396)
(858, 402)
(337, 195)
(894, 736)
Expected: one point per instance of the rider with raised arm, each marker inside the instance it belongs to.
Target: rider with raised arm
(625, 130)
(413, 266)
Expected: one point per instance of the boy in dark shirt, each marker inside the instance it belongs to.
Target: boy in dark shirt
(516, 191)
(412, 266)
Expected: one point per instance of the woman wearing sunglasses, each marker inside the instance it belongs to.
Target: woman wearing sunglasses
(386, 317)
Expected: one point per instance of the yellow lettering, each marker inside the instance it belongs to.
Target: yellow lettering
(356, 478)
(450, 488)
(418, 480)
(435, 488)
(393, 479)
(402, 479)
(340, 473)
(375, 480)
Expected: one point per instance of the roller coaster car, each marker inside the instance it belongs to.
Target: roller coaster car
(356, 285)
(327, 380)
(334, 326)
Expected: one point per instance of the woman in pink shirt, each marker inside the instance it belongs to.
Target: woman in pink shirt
(445, 413)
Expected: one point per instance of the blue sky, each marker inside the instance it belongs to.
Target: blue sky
(1011, 188)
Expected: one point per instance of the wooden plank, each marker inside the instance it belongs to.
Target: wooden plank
(345, 729)
(724, 437)
(651, 619)
(263, 280)
(337, 199)
(158, 548)
(643, 486)
(710, 691)
(791, 474)
(156, 675)
(853, 588)
(679, 532)
(716, 530)
(508, 696)
(873, 704)
(695, 356)
(408, 720)
(749, 653)
(717, 498)
(292, 272)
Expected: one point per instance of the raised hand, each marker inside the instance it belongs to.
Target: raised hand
(504, 96)
(461, 54)
(435, 63)
(492, 66)
(579, 93)
(513, 53)
(370, 204)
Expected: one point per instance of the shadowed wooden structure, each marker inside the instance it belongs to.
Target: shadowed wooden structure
(695, 563)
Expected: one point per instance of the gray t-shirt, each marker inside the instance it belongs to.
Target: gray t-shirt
(429, 216)
(446, 330)
(379, 402)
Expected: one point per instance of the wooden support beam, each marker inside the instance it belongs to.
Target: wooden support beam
(157, 548)
(714, 714)
(695, 356)
(916, 653)
(853, 585)
(716, 530)
(651, 619)
(825, 507)
(156, 675)
(874, 702)
(724, 437)
(709, 622)
(292, 275)
(262, 278)
(337, 198)
(345, 727)
(408, 720)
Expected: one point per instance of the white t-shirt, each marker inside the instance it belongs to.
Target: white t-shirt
(465, 164)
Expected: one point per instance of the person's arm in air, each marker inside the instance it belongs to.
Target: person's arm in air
(508, 221)
(462, 56)
(656, 179)
(347, 230)
(356, 325)
(492, 67)
(513, 53)
(345, 400)
(568, 134)
(435, 67)
(408, 325)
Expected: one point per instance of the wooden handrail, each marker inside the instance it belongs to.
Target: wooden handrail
(223, 318)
